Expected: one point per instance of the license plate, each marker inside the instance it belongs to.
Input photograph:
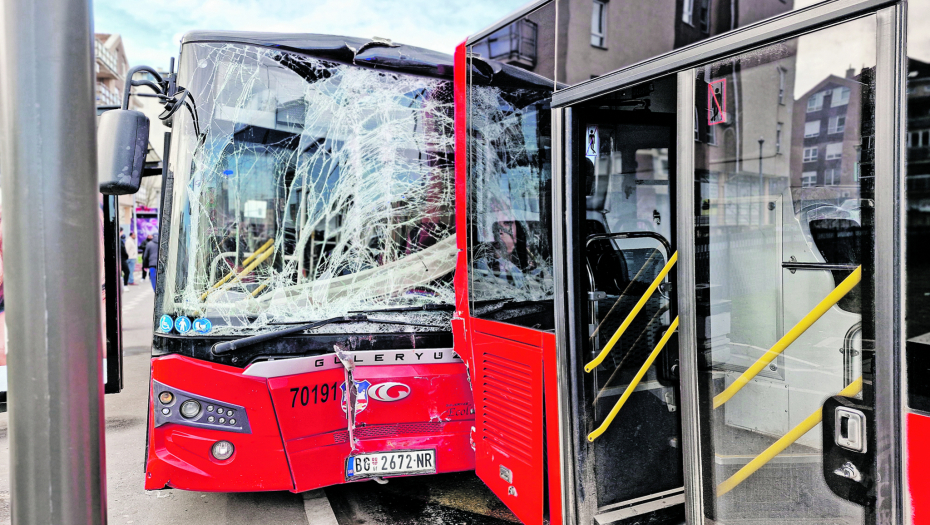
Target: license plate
(391, 463)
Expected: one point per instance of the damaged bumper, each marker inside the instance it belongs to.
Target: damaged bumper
(300, 419)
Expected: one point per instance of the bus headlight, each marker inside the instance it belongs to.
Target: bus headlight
(166, 397)
(190, 409)
(222, 450)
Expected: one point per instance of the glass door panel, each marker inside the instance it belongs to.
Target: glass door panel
(784, 260)
(630, 459)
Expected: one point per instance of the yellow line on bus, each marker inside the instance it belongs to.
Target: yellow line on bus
(633, 384)
(629, 318)
(784, 442)
(806, 322)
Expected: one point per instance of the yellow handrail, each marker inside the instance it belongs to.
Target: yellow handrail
(248, 259)
(787, 440)
(844, 288)
(633, 384)
(245, 271)
(629, 318)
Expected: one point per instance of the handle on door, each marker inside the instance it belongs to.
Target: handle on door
(848, 449)
(849, 429)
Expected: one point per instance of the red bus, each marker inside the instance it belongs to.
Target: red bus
(687, 283)
(304, 285)
(693, 286)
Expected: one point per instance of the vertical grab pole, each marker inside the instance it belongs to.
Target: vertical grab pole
(52, 232)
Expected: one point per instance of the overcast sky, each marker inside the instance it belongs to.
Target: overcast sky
(152, 30)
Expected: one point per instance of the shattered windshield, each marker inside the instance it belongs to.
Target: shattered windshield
(305, 189)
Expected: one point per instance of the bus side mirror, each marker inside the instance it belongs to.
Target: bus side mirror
(122, 143)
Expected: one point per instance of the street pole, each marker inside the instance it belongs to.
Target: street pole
(51, 231)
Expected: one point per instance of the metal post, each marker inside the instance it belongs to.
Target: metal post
(51, 230)
(687, 301)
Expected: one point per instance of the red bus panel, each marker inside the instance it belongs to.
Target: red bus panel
(509, 421)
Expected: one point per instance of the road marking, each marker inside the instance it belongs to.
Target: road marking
(318, 509)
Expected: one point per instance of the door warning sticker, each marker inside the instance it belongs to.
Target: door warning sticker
(717, 102)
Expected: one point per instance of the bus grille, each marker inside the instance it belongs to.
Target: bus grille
(388, 431)
(506, 419)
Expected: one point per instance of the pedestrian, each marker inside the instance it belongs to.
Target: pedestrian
(150, 258)
(124, 259)
(145, 269)
(133, 250)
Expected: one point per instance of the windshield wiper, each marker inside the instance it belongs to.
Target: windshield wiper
(423, 307)
(231, 346)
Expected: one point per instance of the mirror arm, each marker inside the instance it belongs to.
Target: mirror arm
(130, 83)
(153, 86)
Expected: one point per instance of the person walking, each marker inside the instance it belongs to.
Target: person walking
(132, 248)
(145, 269)
(150, 258)
(124, 259)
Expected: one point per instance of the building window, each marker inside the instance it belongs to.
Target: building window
(599, 24)
(778, 138)
(918, 139)
(831, 177)
(815, 103)
(837, 124)
(834, 150)
(712, 136)
(705, 16)
(840, 97)
(687, 12)
(808, 179)
(810, 154)
(782, 80)
(811, 129)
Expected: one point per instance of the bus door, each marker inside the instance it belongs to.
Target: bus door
(622, 349)
(505, 282)
(779, 276)
(721, 362)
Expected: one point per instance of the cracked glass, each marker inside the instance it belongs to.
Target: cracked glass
(510, 196)
(305, 189)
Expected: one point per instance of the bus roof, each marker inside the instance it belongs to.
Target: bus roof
(372, 53)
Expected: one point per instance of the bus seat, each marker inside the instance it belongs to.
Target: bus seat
(840, 241)
(608, 265)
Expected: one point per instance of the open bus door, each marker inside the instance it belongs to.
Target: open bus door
(724, 245)
(762, 255)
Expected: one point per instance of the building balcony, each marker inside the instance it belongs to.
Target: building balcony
(106, 59)
(514, 45)
(107, 97)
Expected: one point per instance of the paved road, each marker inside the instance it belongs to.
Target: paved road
(455, 498)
